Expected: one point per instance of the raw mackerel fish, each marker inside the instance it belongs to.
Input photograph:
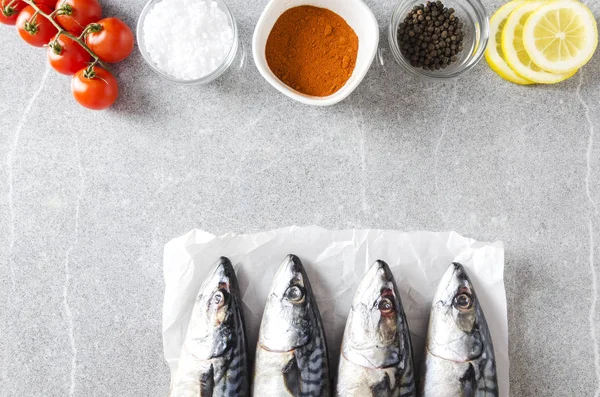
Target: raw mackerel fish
(213, 360)
(376, 356)
(459, 355)
(291, 355)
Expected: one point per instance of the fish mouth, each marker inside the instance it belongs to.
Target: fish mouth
(291, 265)
(376, 280)
(459, 271)
(381, 267)
(380, 270)
(454, 279)
(290, 271)
(222, 276)
(461, 275)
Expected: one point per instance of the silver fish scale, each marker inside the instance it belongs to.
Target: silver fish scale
(406, 378)
(403, 384)
(227, 375)
(485, 373)
(235, 381)
(313, 365)
(475, 378)
(482, 371)
(401, 388)
(394, 381)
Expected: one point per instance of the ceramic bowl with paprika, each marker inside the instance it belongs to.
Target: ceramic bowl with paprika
(355, 12)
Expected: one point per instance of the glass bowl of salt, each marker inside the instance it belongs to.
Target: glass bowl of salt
(188, 41)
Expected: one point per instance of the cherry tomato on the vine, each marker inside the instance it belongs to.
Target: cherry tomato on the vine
(10, 9)
(75, 15)
(95, 89)
(111, 39)
(37, 30)
(66, 56)
(9, 13)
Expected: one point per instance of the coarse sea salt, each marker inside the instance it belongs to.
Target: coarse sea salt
(187, 39)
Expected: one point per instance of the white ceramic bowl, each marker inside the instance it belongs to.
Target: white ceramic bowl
(357, 15)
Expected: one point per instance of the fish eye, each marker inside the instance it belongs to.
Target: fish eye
(294, 293)
(385, 305)
(218, 298)
(463, 301)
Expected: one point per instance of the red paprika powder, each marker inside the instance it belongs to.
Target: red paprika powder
(312, 50)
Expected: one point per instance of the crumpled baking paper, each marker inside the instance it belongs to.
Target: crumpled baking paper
(335, 262)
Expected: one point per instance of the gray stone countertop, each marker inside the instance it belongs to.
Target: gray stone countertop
(88, 200)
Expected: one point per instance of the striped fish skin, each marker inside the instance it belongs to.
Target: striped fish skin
(459, 355)
(291, 355)
(213, 360)
(376, 356)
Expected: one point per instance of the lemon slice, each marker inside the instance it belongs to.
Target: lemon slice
(561, 36)
(514, 50)
(494, 54)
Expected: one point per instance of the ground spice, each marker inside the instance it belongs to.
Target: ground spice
(312, 50)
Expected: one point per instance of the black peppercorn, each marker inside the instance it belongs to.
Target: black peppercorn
(431, 36)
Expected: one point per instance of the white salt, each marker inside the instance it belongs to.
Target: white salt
(187, 39)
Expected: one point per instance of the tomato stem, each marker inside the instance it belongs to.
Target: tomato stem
(55, 46)
(9, 9)
(10, 4)
(31, 26)
(88, 29)
(94, 28)
(65, 9)
(90, 73)
(62, 31)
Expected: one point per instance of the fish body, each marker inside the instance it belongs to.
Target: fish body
(459, 355)
(291, 354)
(213, 361)
(376, 356)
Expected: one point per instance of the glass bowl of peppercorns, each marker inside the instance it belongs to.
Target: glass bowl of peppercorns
(439, 40)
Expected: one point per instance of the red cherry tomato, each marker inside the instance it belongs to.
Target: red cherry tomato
(37, 30)
(48, 3)
(75, 15)
(111, 39)
(9, 14)
(66, 56)
(97, 90)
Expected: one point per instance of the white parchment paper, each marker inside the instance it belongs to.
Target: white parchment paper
(335, 262)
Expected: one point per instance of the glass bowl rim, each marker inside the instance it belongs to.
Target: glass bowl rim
(484, 29)
(222, 68)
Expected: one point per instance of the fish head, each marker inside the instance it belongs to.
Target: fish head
(212, 325)
(457, 326)
(376, 326)
(288, 315)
